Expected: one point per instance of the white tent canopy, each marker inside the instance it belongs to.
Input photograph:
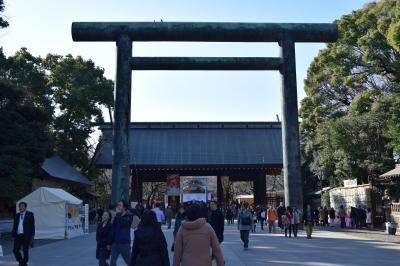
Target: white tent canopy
(50, 207)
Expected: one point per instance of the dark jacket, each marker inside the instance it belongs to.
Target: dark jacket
(178, 221)
(121, 228)
(28, 224)
(103, 238)
(308, 216)
(149, 247)
(103, 234)
(216, 220)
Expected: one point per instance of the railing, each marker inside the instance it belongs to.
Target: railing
(395, 208)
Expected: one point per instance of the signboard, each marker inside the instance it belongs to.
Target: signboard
(74, 227)
(350, 182)
(172, 184)
(199, 188)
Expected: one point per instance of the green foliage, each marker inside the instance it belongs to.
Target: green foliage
(350, 118)
(79, 90)
(24, 140)
(47, 105)
(350, 147)
(3, 22)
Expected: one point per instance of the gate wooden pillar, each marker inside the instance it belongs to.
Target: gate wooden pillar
(260, 190)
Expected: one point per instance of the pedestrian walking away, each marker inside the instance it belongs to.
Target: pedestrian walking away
(368, 218)
(332, 216)
(342, 216)
(262, 218)
(179, 219)
(149, 246)
(23, 233)
(245, 224)
(169, 214)
(287, 221)
(159, 214)
(281, 210)
(216, 220)
(121, 234)
(308, 220)
(296, 220)
(272, 216)
(103, 238)
(194, 240)
(254, 215)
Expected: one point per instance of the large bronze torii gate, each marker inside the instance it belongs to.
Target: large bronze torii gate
(286, 34)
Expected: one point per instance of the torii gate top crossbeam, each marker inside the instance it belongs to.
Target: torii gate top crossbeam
(204, 31)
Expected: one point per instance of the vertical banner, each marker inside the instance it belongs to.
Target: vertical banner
(173, 185)
(86, 231)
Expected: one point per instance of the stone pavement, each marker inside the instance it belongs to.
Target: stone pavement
(325, 249)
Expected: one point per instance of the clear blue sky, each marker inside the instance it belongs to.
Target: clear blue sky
(43, 26)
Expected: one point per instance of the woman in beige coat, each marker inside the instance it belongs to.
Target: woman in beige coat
(193, 241)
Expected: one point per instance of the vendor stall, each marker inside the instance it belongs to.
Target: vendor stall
(56, 213)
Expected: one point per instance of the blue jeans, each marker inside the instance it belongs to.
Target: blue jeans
(124, 250)
(295, 229)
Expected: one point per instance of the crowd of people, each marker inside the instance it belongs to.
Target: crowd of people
(197, 229)
(135, 233)
(353, 217)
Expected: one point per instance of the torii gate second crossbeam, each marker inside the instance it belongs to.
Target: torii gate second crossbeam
(286, 34)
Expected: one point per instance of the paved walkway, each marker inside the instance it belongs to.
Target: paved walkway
(325, 249)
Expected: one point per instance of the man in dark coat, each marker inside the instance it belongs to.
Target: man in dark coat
(120, 240)
(216, 220)
(23, 233)
(281, 211)
(308, 220)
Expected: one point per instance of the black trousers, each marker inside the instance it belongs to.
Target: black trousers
(21, 241)
(244, 236)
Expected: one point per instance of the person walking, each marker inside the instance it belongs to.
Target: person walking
(149, 246)
(179, 219)
(368, 218)
(23, 233)
(103, 237)
(254, 214)
(332, 216)
(262, 218)
(135, 222)
(342, 216)
(272, 215)
(308, 220)
(121, 234)
(229, 215)
(234, 213)
(245, 224)
(281, 211)
(159, 214)
(194, 240)
(287, 221)
(216, 220)
(295, 220)
(321, 216)
(169, 214)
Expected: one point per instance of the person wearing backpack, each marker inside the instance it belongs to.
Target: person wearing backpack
(245, 224)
